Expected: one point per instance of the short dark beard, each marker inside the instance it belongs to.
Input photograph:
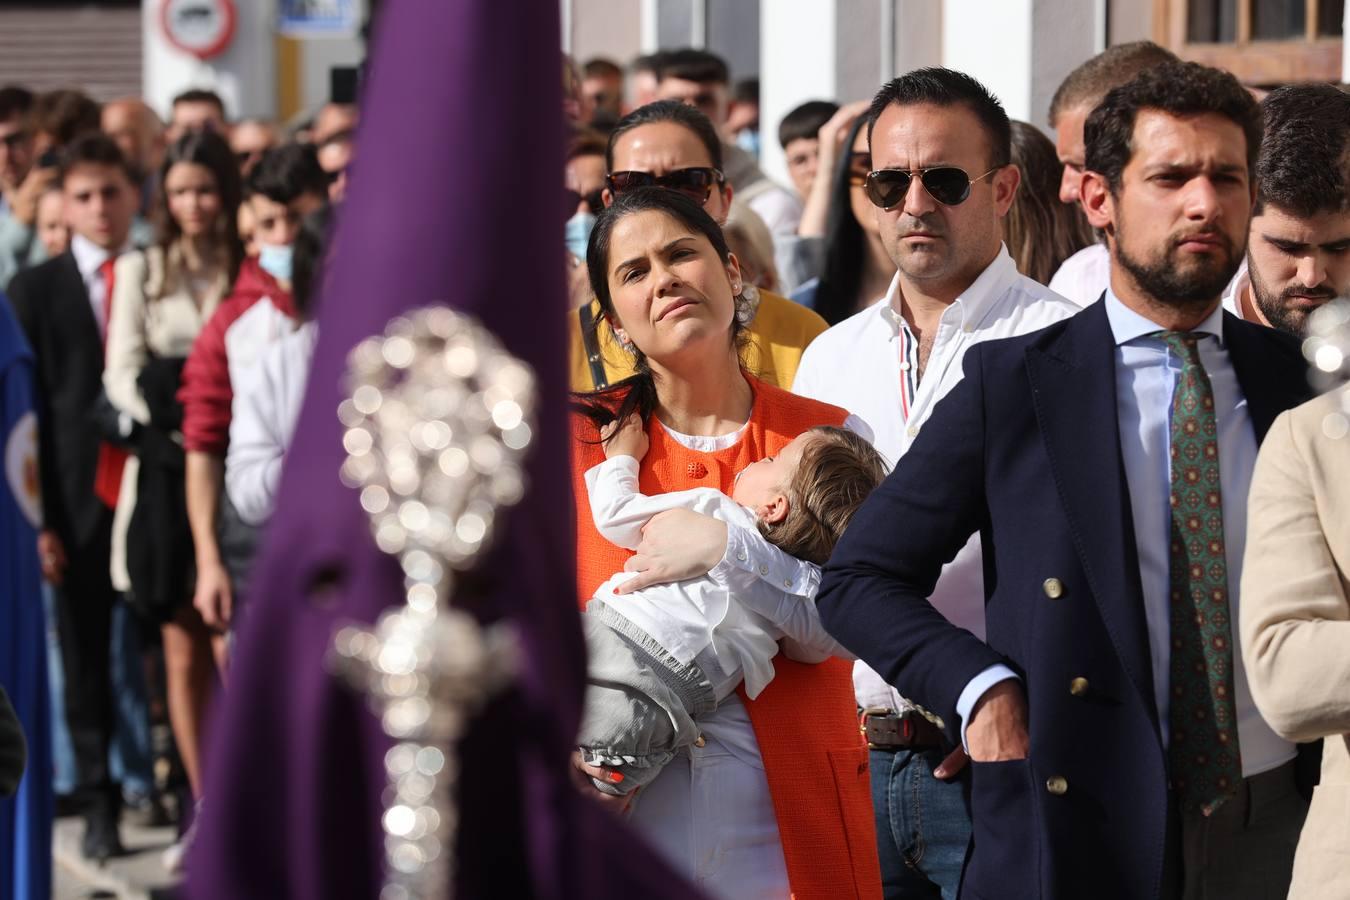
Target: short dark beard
(1161, 280)
(1273, 307)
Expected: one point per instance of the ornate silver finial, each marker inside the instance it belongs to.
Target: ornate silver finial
(439, 420)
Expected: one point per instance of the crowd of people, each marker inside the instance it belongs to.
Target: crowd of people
(1069, 352)
(159, 276)
(913, 542)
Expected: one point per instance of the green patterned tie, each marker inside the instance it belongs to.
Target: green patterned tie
(1203, 748)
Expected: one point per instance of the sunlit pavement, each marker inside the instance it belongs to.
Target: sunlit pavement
(139, 875)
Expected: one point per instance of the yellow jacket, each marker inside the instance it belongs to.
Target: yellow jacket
(778, 334)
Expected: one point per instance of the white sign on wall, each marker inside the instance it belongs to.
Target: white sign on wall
(203, 28)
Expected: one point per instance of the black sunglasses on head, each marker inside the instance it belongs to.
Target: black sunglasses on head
(947, 185)
(695, 183)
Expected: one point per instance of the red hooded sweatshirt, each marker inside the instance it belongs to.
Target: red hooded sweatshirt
(256, 312)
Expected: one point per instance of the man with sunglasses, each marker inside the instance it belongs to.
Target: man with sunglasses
(941, 184)
(674, 146)
(1105, 462)
(702, 80)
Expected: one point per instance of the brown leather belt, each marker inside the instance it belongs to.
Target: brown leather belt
(886, 729)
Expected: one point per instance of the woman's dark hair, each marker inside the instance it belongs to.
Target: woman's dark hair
(307, 266)
(209, 150)
(637, 394)
(841, 277)
(1040, 231)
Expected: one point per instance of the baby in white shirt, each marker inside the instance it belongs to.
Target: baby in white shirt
(661, 657)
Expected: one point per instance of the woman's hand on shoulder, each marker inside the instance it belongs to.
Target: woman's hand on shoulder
(676, 545)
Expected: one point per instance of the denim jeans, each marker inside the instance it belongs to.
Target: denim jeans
(63, 752)
(131, 757)
(923, 825)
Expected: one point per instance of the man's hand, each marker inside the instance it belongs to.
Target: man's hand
(997, 730)
(25, 202)
(952, 765)
(52, 557)
(214, 596)
(626, 439)
(676, 544)
(581, 778)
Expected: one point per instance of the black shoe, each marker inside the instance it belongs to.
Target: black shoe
(101, 841)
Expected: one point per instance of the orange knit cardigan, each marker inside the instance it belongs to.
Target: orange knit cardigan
(805, 720)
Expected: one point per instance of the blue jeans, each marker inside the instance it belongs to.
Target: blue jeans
(63, 752)
(923, 825)
(131, 757)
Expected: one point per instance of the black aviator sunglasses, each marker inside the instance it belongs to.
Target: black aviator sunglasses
(947, 185)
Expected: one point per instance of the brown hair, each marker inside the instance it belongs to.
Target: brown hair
(837, 471)
(1089, 83)
(1040, 231)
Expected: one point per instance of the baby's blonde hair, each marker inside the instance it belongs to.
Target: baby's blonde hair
(837, 470)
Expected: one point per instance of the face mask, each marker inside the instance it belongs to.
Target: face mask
(276, 260)
(748, 140)
(578, 233)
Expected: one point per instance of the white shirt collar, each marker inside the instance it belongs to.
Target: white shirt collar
(971, 305)
(1128, 325)
(89, 257)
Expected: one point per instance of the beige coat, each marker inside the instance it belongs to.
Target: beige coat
(153, 313)
(1295, 617)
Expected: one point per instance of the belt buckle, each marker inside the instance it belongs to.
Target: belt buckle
(898, 726)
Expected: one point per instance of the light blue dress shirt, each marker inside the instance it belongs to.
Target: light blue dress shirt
(1146, 377)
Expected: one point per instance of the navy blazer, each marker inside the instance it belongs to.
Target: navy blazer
(1026, 451)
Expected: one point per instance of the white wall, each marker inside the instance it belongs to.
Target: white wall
(244, 75)
(991, 42)
(797, 63)
(1020, 49)
(1345, 47)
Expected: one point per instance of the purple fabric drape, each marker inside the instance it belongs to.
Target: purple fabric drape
(454, 199)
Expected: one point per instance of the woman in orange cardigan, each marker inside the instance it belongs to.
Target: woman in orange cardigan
(776, 801)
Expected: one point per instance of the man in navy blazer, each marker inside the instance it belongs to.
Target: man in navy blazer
(1058, 448)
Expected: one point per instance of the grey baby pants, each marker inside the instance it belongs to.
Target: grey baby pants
(640, 701)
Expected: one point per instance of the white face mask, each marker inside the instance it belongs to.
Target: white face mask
(276, 260)
(577, 233)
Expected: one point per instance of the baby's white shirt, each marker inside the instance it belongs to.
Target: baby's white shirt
(735, 620)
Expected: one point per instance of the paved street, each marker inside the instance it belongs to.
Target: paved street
(137, 876)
